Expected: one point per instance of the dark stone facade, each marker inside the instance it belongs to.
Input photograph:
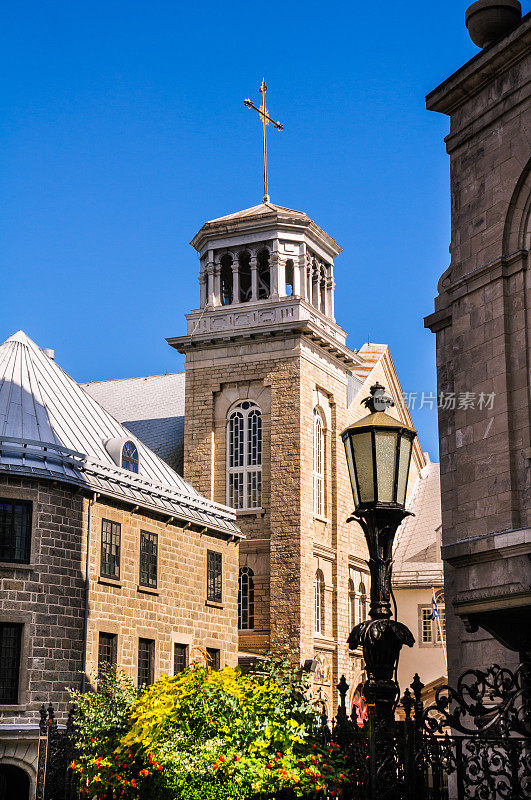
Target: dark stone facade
(482, 322)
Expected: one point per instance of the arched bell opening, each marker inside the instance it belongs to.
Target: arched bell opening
(264, 275)
(226, 279)
(244, 264)
(290, 272)
(14, 783)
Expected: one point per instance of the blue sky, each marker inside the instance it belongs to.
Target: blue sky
(124, 129)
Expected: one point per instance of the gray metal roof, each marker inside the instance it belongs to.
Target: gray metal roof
(51, 427)
(417, 556)
(152, 408)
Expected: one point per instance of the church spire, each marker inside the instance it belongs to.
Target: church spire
(266, 119)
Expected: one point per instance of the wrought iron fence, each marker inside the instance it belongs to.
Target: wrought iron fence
(472, 743)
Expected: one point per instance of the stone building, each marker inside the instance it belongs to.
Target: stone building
(482, 324)
(418, 579)
(269, 386)
(106, 555)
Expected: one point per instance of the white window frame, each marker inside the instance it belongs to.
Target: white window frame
(424, 612)
(319, 452)
(244, 456)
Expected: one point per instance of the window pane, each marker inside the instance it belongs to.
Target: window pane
(214, 576)
(362, 444)
(386, 460)
(146, 662)
(213, 657)
(246, 599)
(130, 457)
(180, 658)
(244, 456)
(15, 531)
(148, 559)
(426, 625)
(110, 549)
(107, 649)
(403, 464)
(10, 640)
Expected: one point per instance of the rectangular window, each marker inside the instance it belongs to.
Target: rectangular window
(148, 559)
(180, 658)
(146, 662)
(213, 657)
(442, 618)
(10, 643)
(15, 531)
(426, 626)
(214, 576)
(107, 649)
(110, 549)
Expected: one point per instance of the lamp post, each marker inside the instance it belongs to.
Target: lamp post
(378, 449)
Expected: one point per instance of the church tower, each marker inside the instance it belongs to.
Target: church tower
(270, 385)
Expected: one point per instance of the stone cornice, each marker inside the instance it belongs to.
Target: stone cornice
(490, 547)
(481, 70)
(259, 322)
(502, 267)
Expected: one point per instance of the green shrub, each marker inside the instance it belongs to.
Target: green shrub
(204, 735)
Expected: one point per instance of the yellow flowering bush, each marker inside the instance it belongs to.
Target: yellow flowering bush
(215, 735)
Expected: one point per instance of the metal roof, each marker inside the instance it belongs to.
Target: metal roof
(417, 554)
(51, 427)
(151, 407)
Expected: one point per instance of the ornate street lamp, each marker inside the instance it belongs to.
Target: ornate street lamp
(378, 449)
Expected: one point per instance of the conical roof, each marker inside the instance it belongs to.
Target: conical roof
(50, 426)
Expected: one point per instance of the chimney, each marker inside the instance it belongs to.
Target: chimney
(50, 353)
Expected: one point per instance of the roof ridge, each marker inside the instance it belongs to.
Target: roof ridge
(133, 378)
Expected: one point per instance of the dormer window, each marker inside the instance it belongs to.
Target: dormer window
(130, 457)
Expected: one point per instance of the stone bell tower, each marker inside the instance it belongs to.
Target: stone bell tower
(268, 381)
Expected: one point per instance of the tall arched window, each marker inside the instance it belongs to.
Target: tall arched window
(362, 599)
(351, 604)
(246, 599)
(130, 457)
(244, 456)
(319, 586)
(318, 464)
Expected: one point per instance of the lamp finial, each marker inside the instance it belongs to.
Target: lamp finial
(378, 400)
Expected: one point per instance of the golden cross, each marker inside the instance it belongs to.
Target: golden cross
(266, 119)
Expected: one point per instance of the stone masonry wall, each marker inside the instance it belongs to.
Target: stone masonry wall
(177, 611)
(47, 597)
(482, 324)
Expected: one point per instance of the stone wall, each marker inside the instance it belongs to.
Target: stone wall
(48, 595)
(287, 376)
(482, 325)
(177, 611)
